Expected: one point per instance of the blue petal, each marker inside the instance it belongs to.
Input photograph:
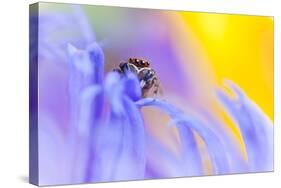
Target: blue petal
(58, 29)
(191, 155)
(235, 156)
(82, 23)
(87, 115)
(117, 87)
(86, 98)
(119, 152)
(129, 162)
(131, 156)
(161, 162)
(82, 72)
(117, 143)
(107, 143)
(214, 144)
(89, 63)
(256, 128)
(114, 92)
(132, 86)
(97, 59)
(80, 61)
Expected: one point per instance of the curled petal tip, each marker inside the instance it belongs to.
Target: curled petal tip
(234, 88)
(254, 124)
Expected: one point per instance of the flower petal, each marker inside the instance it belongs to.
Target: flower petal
(256, 128)
(86, 115)
(132, 86)
(83, 72)
(119, 146)
(83, 24)
(214, 144)
(191, 155)
(131, 157)
(161, 162)
(114, 91)
(57, 29)
(97, 59)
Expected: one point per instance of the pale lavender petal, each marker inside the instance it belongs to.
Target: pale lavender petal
(107, 143)
(131, 156)
(161, 162)
(256, 128)
(191, 155)
(86, 68)
(117, 144)
(122, 86)
(114, 91)
(97, 60)
(237, 163)
(86, 99)
(132, 86)
(89, 63)
(56, 30)
(214, 144)
(87, 113)
(83, 24)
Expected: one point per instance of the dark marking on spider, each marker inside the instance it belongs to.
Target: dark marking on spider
(149, 82)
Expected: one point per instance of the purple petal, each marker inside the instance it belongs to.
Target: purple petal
(86, 99)
(119, 146)
(191, 155)
(214, 144)
(82, 23)
(114, 91)
(116, 148)
(235, 157)
(132, 86)
(256, 128)
(83, 72)
(97, 59)
(86, 114)
(56, 30)
(131, 157)
(161, 162)
(107, 144)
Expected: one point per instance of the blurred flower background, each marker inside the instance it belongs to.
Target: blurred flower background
(215, 115)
